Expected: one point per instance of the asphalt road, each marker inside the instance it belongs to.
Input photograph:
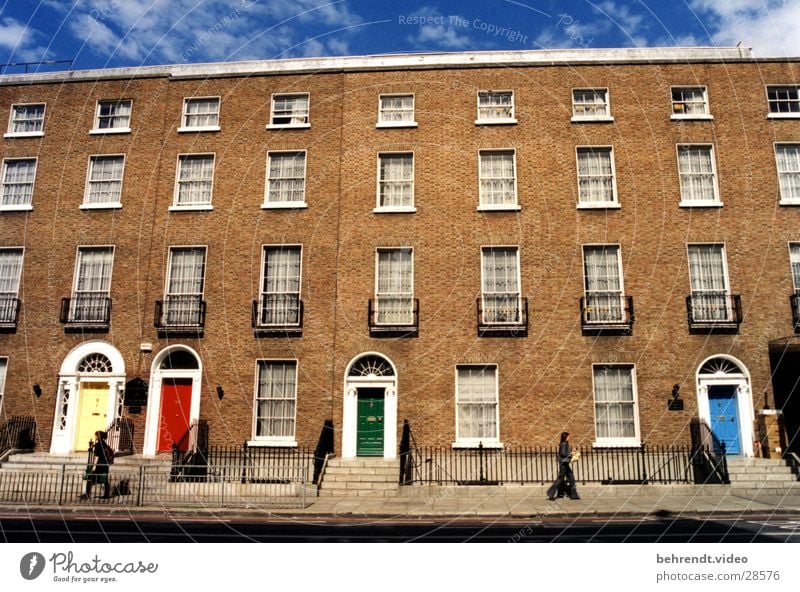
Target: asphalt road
(47, 529)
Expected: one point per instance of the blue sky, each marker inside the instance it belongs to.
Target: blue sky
(111, 33)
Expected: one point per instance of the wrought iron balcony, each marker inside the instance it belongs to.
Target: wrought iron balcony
(9, 313)
(393, 316)
(502, 316)
(86, 312)
(278, 314)
(714, 312)
(795, 301)
(607, 314)
(181, 314)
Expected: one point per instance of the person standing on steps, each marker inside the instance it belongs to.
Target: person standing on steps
(99, 471)
(565, 482)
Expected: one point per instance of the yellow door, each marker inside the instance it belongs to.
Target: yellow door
(92, 412)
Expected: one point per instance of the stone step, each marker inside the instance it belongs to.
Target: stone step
(357, 477)
(736, 477)
(395, 473)
(750, 461)
(758, 470)
(364, 462)
(349, 493)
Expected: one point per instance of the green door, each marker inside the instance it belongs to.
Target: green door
(370, 422)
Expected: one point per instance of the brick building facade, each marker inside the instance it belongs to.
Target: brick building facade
(494, 246)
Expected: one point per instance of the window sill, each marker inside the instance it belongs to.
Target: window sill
(789, 202)
(272, 443)
(395, 210)
(19, 208)
(676, 117)
(103, 206)
(507, 121)
(476, 444)
(617, 443)
(395, 124)
(597, 119)
(197, 208)
(287, 205)
(112, 130)
(601, 205)
(205, 128)
(273, 126)
(508, 208)
(24, 135)
(783, 115)
(700, 204)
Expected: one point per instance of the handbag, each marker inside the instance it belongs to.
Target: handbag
(576, 456)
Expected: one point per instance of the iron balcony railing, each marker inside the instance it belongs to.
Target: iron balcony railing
(794, 299)
(17, 432)
(86, 311)
(714, 312)
(501, 314)
(180, 313)
(120, 435)
(278, 314)
(9, 311)
(393, 315)
(607, 313)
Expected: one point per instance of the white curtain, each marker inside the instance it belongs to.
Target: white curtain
(477, 403)
(195, 179)
(615, 406)
(114, 114)
(595, 176)
(92, 284)
(275, 400)
(28, 118)
(286, 177)
(105, 179)
(697, 173)
(186, 271)
(708, 282)
(18, 177)
(280, 296)
(794, 257)
(501, 293)
(395, 290)
(202, 112)
(788, 159)
(495, 105)
(10, 272)
(497, 178)
(689, 101)
(589, 103)
(603, 283)
(397, 108)
(396, 180)
(290, 110)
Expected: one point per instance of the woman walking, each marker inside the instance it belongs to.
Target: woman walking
(98, 473)
(565, 482)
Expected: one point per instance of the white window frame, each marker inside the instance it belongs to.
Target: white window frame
(97, 130)
(620, 275)
(277, 205)
(783, 115)
(305, 125)
(495, 120)
(12, 134)
(89, 168)
(792, 261)
(594, 205)
(263, 278)
(76, 277)
(3, 361)
(381, 209)
(277, 441)
(463, 442)
(487, 207)
(580, 118)
(410, 295)
(785, 201)
(717, 201)
(675, 115)
(485, 248)
(18, 207)
(21, 250)
(726, 278)
(168, 275)
(194, 207)
(382, 123)
(617, 441)
(198, 128)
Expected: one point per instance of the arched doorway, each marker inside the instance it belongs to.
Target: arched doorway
(369, 424)
(91, 387)
(724, 400)
(174, 400)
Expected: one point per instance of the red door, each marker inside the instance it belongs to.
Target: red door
(176, 399)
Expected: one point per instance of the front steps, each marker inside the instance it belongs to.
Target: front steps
(762, 476)
(43, 462)
(360, 477)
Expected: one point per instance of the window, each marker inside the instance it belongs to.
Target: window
(280, 286)
(497, 171)
(18, 177)
(690, 102)
(92, 288)
(104, 182)
(616, 416)
(113, 117)
(3, 371)
(477, 413)
(596, 183)
(286, 179)
(394, 287)
(396, 182)
(787, 158)
(195, 181)
(495, 106)
(10, 274)
(590, 104)
(26, 120)
(698, 177)
(602, 274)
(396, 111)
(783, 101)
(200, 114)
(289, 111)
(275, 401)
(708, 279)
(794, 259)
(183, 301)
(500, 285)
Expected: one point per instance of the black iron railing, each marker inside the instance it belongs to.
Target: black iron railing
(120, 435)
(714, 311)
(325, 446)
(502, 315)
(407, 446)
(396, 316)
(180, 313)
(9, 312)
(794, 300)
(17, 432)
(190, 453)
(278, 314)
(709, 459)
(86, 311)
(607, 313)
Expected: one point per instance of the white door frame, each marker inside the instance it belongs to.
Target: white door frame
(157, 377)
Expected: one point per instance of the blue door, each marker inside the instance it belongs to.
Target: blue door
(724, 416)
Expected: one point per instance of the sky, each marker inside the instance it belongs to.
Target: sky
(120, 33)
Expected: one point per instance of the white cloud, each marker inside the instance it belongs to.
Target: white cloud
(437, 31)
(770, 27)
(20, 41)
